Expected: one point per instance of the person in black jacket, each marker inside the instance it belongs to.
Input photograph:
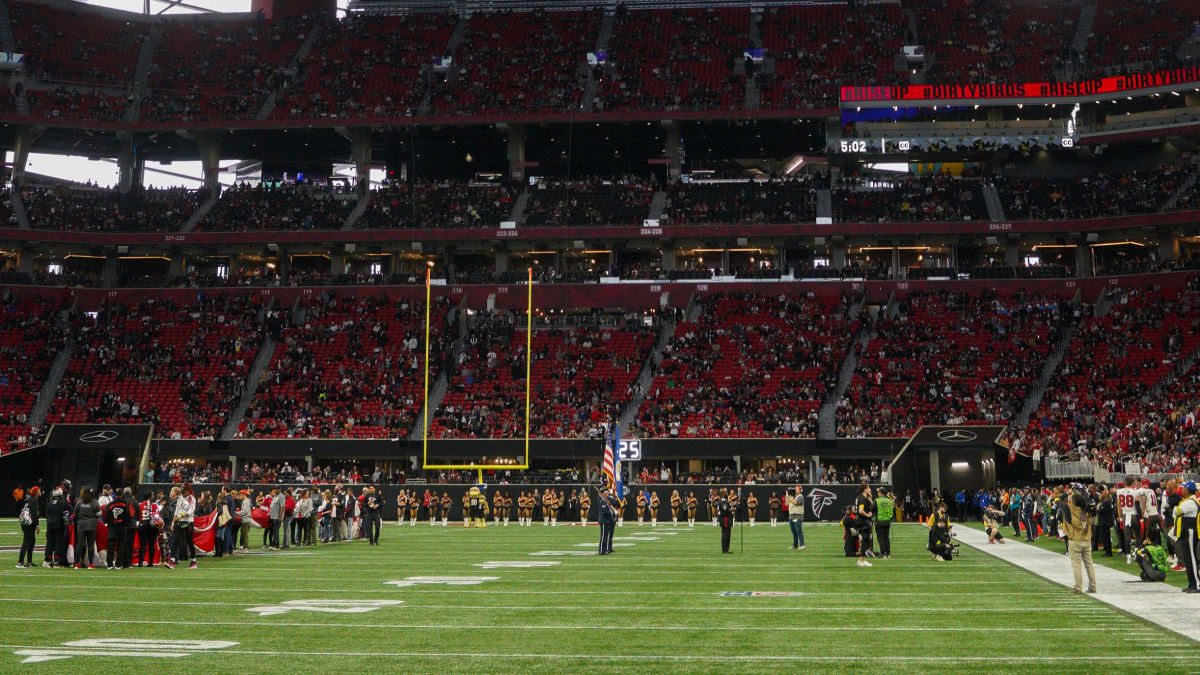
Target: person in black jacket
(372, 507)
(725, 520)
(29, 526)
(607, 518)
(58, 516)
(117, 516)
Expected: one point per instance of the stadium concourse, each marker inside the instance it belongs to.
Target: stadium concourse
(894, 302)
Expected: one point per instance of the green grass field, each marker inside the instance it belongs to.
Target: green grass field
(653, 606)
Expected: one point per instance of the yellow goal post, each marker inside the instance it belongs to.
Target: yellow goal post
(425, 402)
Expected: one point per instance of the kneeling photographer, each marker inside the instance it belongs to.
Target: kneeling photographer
(940, 544)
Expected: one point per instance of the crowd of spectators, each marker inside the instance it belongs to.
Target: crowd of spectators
(70, 45)
(589, 201)
(580, 379)
(950, 358)
(788, 200)
(353, 369)
(366, 66)
(531, 62)
(518, 62)
(1093, 196)
(849, 473)
(752, 365)
(675, 59)
(437, 204)
(997, 40)
(291, 206)
(214, 68)
(1140, 35)
(31, 336)
(817, 48)
(180, 367)
(13, 277)
(914, 199)
(93, 209)
(75, 103)
(1112, 400)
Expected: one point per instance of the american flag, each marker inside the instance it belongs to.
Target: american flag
(608, 466)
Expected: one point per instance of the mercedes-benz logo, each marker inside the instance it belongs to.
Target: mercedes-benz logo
(957, 435)
(102, 436)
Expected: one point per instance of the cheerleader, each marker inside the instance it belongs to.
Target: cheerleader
(641, 508)
(712, 506)
(752, 507)
(507, 508)
(547, 506)
(522, 503)
(446, 503)
(414, 506)
(431, 507)
(692, 505)
(556, 503)
(675, 503)
(622, 503)
(654, 505)
(497, 507)
(734, 502)
(773, 504)
(401, 506)
(466, 504)
(585, 506)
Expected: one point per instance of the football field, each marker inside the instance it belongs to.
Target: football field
(434, 599)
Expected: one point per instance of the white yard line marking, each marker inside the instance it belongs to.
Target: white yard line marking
(508, 626)
(356, 587)
(724, 607)
(679, 657)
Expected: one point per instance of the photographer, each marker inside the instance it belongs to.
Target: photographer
(1077, 523)
(991, 524)
(939, 535)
